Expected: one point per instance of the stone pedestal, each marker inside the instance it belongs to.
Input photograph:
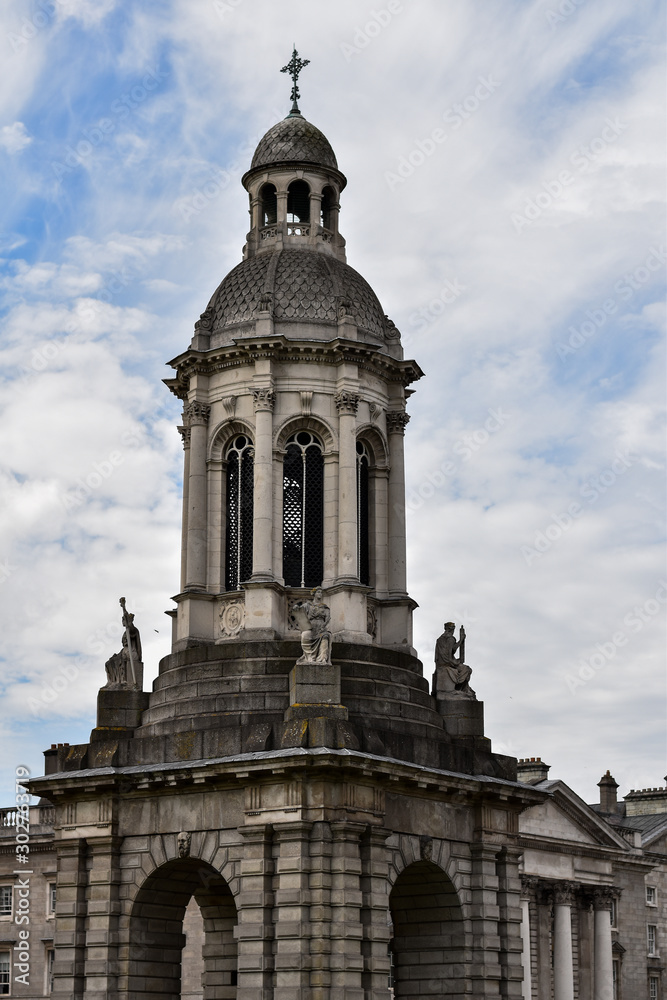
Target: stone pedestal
(314, 686)
(118, 710)
(463, 716)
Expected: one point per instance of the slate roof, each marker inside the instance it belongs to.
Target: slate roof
(294, 140)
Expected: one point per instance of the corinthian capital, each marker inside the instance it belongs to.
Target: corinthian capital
(564, 893)
(195, 413)
(263, 399)
(346, 402)
(603, 896)
(185, 436)
(397, 421)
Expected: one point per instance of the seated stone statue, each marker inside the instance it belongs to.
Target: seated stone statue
(313, 617)
(451, 673)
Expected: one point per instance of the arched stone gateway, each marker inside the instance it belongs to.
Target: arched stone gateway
(428, 944)
(156, 936)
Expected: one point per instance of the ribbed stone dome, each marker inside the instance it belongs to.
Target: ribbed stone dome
(302, 285)
(294, 140)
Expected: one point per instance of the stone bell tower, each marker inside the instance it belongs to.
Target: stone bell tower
(336, 827)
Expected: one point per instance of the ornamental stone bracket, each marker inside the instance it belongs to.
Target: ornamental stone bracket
(229, 403)
(263, 399)
(347, 402)
(185, 436)
(196, 413)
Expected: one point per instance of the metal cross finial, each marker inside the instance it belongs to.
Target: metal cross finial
(294, 67)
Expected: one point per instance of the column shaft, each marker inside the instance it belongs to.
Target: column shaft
(527, 992)
(347, 404)
(196, 415)
(185, 434)
(262, 544)
(396, 422)
(563, 967)
(603, 959)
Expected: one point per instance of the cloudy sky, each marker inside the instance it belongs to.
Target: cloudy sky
(505, 161)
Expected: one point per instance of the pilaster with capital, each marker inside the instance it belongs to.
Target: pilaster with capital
(195, 418)
(262, 545)
(396, 423)
(347, 403)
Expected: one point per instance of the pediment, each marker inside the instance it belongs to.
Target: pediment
(566, 817)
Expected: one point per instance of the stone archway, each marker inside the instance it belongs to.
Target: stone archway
(156, 932)
(428, 945)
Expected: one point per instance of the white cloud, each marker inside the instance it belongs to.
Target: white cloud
(14, 138)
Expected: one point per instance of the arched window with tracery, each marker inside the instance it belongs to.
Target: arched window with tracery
(298, 202)
(240, 481)
(303, 511)
(363, 560)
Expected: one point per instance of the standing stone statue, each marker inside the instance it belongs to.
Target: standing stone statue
(451, 673)
(125, 669)
(313, 617)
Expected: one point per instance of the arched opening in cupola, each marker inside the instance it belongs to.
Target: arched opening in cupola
(298, 202)
(269, 205)
(240, 484)
(303, 511)
(327, 208)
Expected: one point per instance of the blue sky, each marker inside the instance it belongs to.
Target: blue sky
(529, 239)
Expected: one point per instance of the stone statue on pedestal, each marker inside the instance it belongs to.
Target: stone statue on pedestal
(125, 669)
(313, 617)
(451, 673)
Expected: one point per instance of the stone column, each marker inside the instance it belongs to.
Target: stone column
(101, 968)
(185, 436)
(603, 972)
(510, 923)
(563, 965)
(485, 959)
(346, 899)
(380, 542)
(254, 904)
(70, 921)
(262, 538)
(196, 416)
(346, 404)
(293, 960)
(396, 423)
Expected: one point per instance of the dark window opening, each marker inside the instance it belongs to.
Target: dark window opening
(240, 482)
(298, 202)
(327, 208)
(303, 511)
(269, 205)
(363, 561)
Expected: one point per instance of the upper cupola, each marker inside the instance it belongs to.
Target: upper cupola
(294, 185)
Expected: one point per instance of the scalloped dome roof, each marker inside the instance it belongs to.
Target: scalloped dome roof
(302, 285)
(294, 139)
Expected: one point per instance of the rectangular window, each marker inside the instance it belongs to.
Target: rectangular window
(615, 978)
(613, 913)
(653, 988)
(651, 894)
(4, 973)
(50, 957)
(651, 934)
(6, 900)
(52, 898)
